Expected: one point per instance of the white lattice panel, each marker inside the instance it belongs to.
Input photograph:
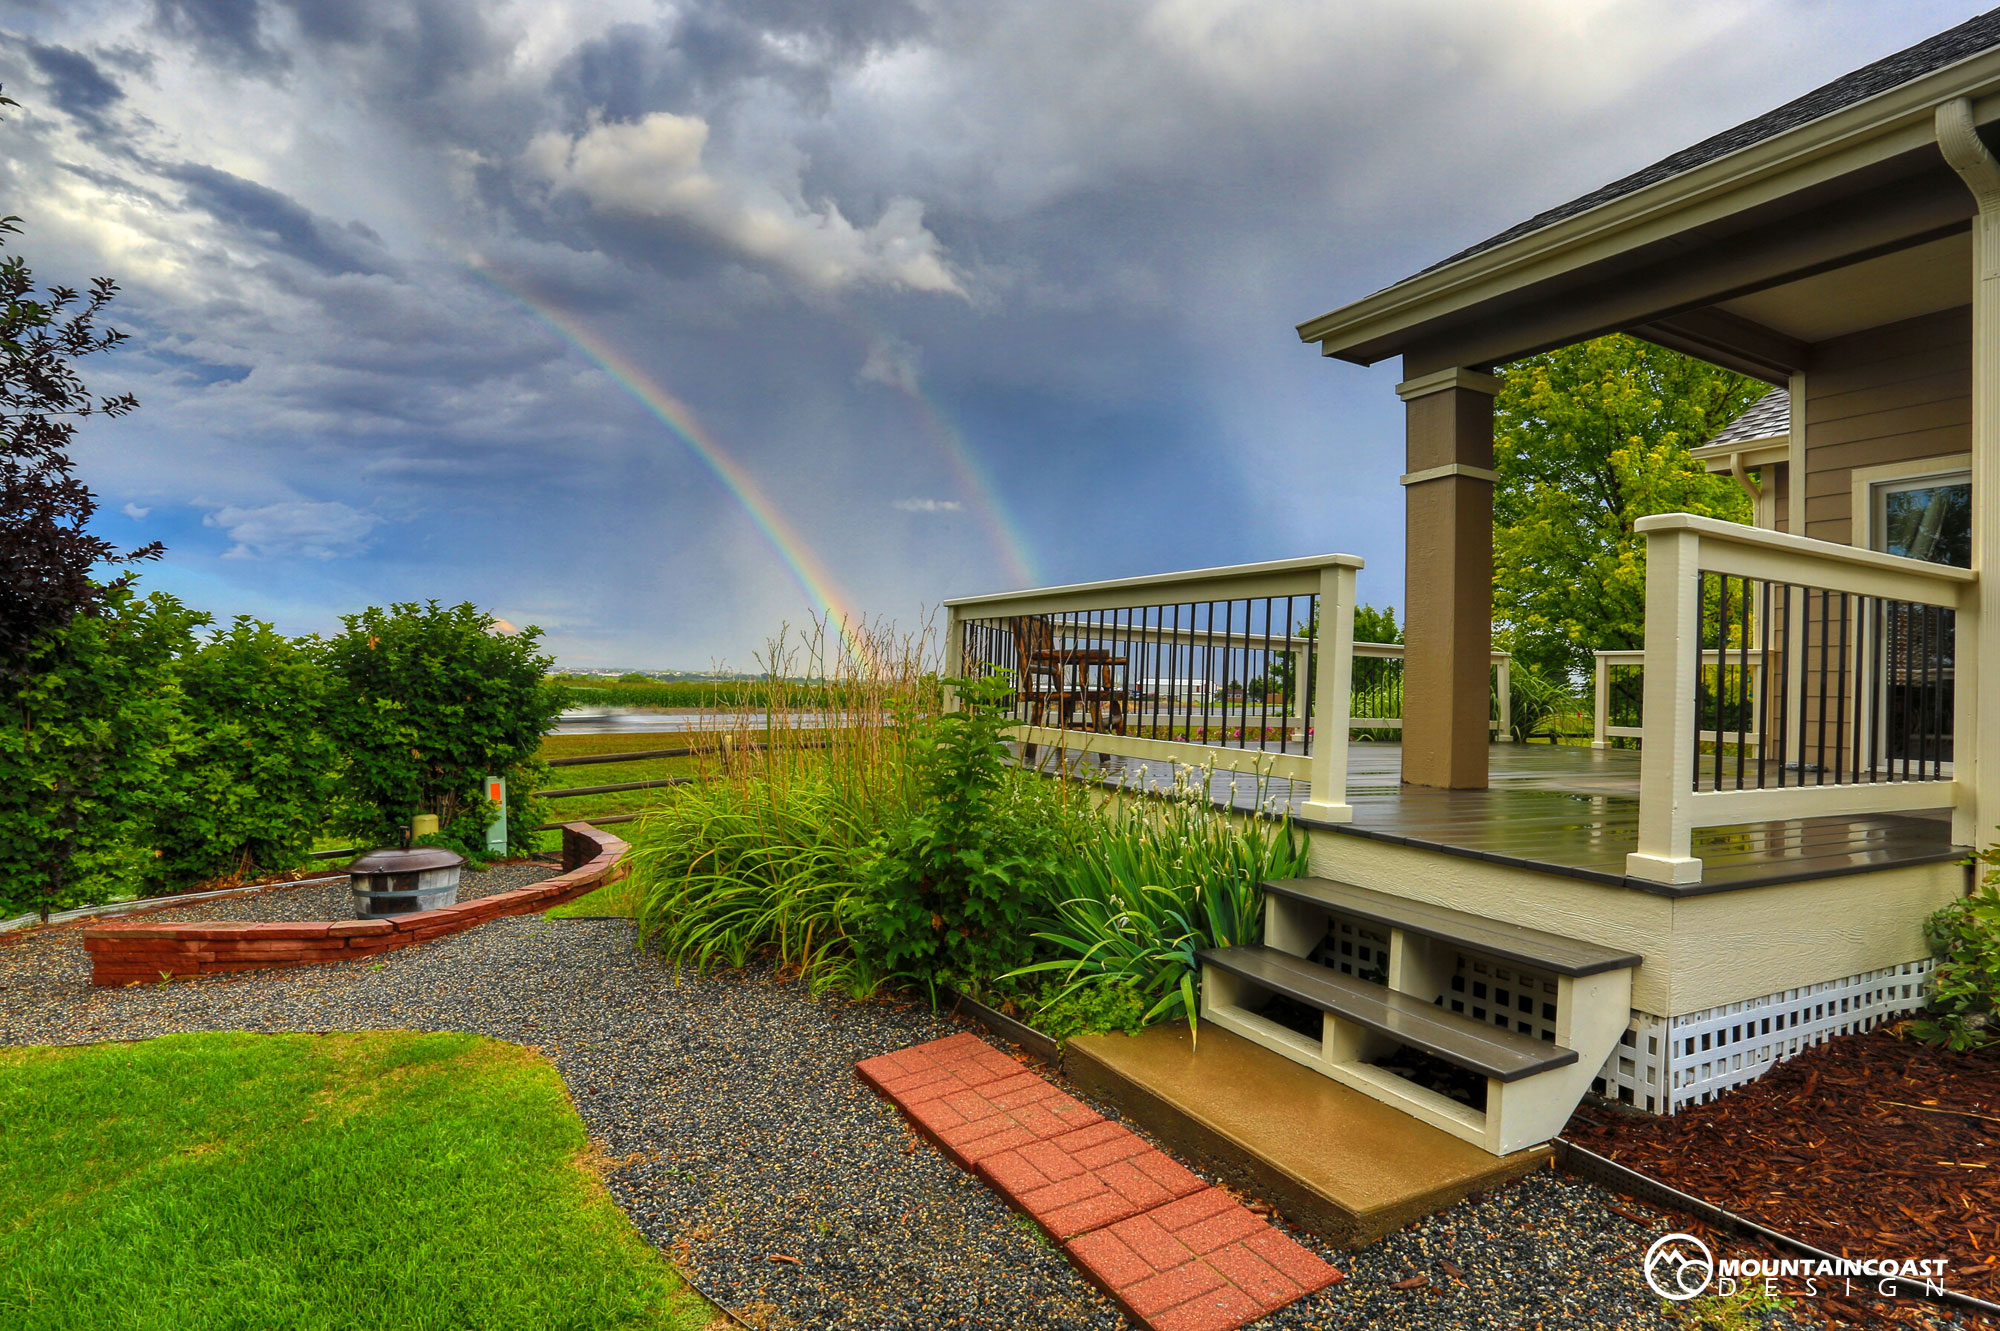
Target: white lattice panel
(1661, 1066)
(1354, 948)
(1502, 993)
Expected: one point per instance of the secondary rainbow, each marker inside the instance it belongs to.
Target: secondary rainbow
(805, 567)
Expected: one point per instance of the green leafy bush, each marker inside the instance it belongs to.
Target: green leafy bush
(424, 702)
(1964, 1011)
(1114, 1004)
(246, 790)
(957, 881)
(87, 729)
(1163, 879)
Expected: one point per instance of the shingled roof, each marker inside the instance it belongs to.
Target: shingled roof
(1769, 415)
(1933, 53)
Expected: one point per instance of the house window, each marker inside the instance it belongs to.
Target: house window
(1928, 518)
(1920, 514)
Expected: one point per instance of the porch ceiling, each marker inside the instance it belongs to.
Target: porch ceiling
(1923, 279)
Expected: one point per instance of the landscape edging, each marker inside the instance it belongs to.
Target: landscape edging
(150, 953)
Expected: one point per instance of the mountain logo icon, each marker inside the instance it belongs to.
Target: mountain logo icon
(1679, 1266)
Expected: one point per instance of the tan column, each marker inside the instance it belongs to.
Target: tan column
(1448, 578)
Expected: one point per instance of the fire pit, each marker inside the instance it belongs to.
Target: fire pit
(398, 882)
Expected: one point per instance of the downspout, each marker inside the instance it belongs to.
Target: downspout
(1977, 689)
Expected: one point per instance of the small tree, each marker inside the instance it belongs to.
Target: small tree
(424, 703)
(248, 787)
(1588, 439)
(46, 555)
(87, 729)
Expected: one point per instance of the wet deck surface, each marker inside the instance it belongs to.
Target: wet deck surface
(1573, 811)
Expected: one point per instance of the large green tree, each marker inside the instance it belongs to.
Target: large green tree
(1587, 440)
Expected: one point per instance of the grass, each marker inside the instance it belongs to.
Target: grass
(620, 898)
(382, 1180)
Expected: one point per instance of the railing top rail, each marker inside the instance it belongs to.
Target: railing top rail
(1220, 578)
(1735, 533)
(1637, 655)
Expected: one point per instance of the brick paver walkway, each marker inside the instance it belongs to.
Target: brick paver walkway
(1176, 1254)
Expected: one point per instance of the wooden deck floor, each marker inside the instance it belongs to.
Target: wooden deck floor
(1575, 811)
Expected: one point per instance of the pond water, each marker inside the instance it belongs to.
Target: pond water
(619, 721)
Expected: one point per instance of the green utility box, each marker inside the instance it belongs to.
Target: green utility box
(496, 831)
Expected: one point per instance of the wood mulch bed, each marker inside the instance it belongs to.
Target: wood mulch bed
(1868, 1146)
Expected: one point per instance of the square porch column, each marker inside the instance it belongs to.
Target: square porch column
(1448, 578)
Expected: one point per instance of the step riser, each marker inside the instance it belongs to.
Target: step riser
(1592, 1012)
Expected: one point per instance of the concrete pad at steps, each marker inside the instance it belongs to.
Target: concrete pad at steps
(1335, 1161)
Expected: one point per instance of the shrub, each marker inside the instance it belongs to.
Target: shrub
(1964, 1011)
(1163, 879)
(86, 729)
(1114, 1004)
(246, 791)
(733, 870)
(425, 702)
(957, 881)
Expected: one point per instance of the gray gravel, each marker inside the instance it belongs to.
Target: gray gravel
(740, 1137)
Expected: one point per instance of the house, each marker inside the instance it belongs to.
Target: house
(1490, 930)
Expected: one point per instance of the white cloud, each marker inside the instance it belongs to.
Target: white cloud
(654, 168)
(929, 505)
(295, 528)
(134, 512)
(891, 361)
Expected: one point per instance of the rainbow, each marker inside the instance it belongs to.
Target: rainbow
(812, 575)
(1005, 533)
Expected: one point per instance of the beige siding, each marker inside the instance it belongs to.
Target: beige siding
(1885, 394)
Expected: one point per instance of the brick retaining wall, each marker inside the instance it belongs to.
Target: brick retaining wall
(123, 953)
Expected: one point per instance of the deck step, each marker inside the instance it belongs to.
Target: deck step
(1475, 933)
(1486, 1050)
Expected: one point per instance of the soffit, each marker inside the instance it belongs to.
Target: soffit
(1891, 287)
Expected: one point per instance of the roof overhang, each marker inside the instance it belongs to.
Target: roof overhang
(1858, 183)
(1752, 454)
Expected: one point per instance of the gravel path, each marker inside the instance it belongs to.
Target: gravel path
(739, 1137)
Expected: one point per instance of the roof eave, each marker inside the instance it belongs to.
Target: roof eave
(1894, 121)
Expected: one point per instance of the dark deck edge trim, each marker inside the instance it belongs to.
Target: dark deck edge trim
(1948, 855)
(1616, 962)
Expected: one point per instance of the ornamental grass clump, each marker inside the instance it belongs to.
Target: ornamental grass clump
(766, 852)
(1158, 882)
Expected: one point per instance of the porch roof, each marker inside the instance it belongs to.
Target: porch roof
(1740, 212)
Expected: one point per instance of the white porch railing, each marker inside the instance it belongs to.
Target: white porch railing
(1502, 723)
(1855, 651)
(1208, 665)
(1634, 658)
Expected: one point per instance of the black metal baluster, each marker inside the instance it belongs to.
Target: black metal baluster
(1825, 648)
(1840, 692)
(1764, 681)
(1721, 665)
(1700, 617)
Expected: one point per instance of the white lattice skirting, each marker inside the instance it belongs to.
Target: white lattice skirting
(1664, 1064)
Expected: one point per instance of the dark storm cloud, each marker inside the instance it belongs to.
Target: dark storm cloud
(75, 82)
(228, 31)
(800, 45)
(280, 221)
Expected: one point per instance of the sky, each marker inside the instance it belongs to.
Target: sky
(662, 325)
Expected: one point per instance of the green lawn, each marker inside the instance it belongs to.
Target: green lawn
(391, 1180)
(621, 898)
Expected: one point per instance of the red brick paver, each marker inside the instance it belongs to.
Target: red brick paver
(1177, 1254)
